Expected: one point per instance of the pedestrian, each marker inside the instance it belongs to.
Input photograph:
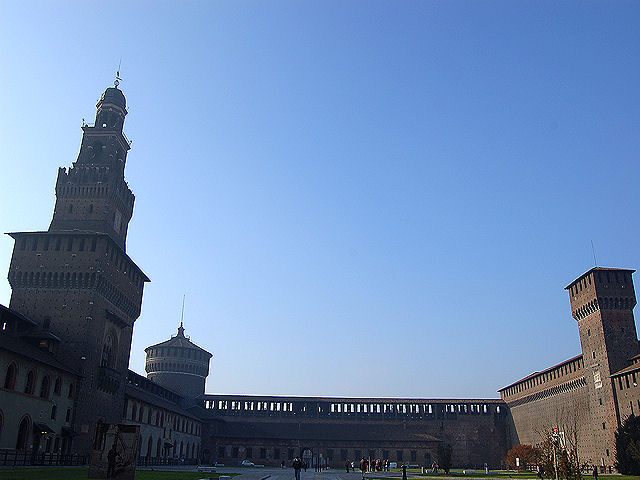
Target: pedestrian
(595, 472)
(346, 465)
(297, 466)
(112, 456)
(363, 466)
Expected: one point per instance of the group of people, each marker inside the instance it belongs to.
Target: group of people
(298, 465)
(375, 465)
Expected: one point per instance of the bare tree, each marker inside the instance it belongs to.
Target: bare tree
(560, 444)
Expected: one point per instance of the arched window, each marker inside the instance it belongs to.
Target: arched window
(28, 386)
(1, 422)
(57, 388)
(70, 395)
(44, 387)
(10, 376)
(159, 448)
(149, 446)
(181, 448)
(23, 433)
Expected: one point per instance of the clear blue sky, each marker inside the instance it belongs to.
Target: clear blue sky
(359, 198)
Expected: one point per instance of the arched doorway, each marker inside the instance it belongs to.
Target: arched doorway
(23, 434)
(307, 457)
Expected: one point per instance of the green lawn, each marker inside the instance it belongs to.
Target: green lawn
(415, 473)
(81, 474)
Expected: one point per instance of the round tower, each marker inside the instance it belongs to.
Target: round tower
(179, 365)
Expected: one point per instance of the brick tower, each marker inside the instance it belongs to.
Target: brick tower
(178, 364)
(76, 280)
(602, 302)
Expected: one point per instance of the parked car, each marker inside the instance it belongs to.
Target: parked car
(247, 463)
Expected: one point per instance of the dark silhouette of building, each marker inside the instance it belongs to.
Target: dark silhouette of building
(76, 280)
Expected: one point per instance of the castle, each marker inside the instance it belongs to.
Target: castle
(66, 339)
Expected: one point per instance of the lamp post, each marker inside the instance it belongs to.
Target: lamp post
(555, 458)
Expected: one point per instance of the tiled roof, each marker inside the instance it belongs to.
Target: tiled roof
(179, 340)
(20, 347)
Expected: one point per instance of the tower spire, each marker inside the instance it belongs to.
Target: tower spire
(117, 81)
(181, 328)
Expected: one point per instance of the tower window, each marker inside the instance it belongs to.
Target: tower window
(81, 247)
(28, 387)
(70, 208)
(34, 245)
(44, 388)
(69, 244)
(23, 244)
(93, 244)
(91, 208)
(10, 376)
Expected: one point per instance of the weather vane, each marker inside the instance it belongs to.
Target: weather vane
(118, 79)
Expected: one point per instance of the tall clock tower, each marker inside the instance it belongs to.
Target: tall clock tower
(77, 281)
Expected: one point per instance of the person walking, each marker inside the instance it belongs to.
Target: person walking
(346, 465)
(363, 467)
(297, 466)
(595, 472)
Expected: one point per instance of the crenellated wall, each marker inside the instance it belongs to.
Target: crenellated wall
(402, 430)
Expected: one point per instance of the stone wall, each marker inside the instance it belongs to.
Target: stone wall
(478, 430)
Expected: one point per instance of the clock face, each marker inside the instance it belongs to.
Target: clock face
(117, 221)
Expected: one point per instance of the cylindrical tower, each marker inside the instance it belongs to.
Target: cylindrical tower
(178, 364)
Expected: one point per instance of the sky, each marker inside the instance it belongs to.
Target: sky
(363, 198)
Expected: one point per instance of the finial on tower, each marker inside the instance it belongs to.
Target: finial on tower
(181, 328)
(118, 79)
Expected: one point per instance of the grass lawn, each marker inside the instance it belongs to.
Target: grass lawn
(81, 474)
(495, 474)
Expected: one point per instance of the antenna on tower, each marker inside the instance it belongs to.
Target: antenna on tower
(593, 250)
(118, 79)
(182, 314)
